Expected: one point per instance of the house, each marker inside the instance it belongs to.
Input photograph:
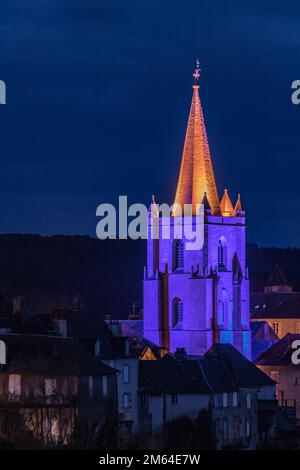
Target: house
(52, 390)
(121, 347)
(170, 388)
(277, 281)
(277, 363)
(281, 310)
(222, 382)
(237, 412)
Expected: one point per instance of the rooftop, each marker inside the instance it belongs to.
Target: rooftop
(280, 353)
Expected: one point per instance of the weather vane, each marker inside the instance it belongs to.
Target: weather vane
(196, 74)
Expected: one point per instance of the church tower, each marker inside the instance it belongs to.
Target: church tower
(194, 298)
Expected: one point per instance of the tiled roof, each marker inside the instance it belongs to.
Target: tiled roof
(280, 353)
(49, 355)
(169, 375)
(222, 369)
(263, 337)
(261, 330)
(243, 372)
(217, 375)
(275, 305)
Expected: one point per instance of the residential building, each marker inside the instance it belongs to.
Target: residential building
(281, 310)
(222, 382)
(54, 392)
(277, 363)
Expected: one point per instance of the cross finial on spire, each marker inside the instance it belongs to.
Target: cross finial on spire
(197, 71)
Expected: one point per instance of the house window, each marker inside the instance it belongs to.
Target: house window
(225, 429)
(248, 428)
(274, 374)
(237, 428)
(91, 386)
(296, 381)
(225, 400)
(277, 328)
(14, 384)
(248, 397)
(50, 387)
(126, 400)
(97, 348)
(143, 398)
(104, 385)
(234, 399)
(126, 371)
(178, 255)
(174, 399)
(178, 312)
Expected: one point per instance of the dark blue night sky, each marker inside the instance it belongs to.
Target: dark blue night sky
(98, 95)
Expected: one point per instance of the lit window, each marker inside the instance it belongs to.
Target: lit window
(179, 255)
(126, 378)
(97, 348)
(234, 399)
(14, 384)
(277, 328)
(225, 400)
(91, 386)
(248, 401)
(248, 428)
(104, 385)
(274, 374)
(50, 387)
(126, 400)
(178, 312)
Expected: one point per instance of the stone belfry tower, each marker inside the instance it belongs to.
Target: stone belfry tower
(194, 298)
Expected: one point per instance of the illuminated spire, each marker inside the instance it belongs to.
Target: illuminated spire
(238, 208)
(226, 206)
(196, 172)
(154, 208)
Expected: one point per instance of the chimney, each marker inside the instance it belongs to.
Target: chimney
(60, 321)
(115, 327)
(180, 354)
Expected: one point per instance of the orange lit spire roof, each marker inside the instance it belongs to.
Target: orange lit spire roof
(226, 205)
(238, 207)
(196, 172)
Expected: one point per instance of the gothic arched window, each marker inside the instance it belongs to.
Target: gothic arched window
(177, 312)
(178, 255)
(222, 254)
